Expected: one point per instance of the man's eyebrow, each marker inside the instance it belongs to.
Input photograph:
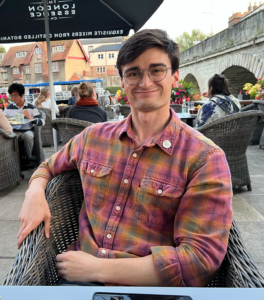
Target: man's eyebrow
(150, 66)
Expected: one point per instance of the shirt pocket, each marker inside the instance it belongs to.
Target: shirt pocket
(95, 177)
(157, 202)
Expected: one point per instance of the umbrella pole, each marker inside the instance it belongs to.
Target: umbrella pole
(53, 114)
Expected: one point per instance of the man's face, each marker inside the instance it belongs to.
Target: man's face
(148, 95)
(18, 100)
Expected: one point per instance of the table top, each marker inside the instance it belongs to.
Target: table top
(87, 293)
(26, 121)
(186, 116)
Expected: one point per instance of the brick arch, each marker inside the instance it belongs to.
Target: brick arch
(249, 62)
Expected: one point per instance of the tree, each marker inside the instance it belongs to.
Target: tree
(186, 40)
(2, 49)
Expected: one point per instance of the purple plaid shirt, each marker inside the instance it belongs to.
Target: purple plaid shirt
(170, 198)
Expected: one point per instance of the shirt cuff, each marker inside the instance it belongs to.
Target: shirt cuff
(41, 174)
(167, 266)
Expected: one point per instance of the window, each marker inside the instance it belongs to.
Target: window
(55, 66)
(16, 70)
(38, 68)
(100, 69)
(111, 55)
(100, 56)
(4, 75)
(58, 49)
(38, 51)
(27, 69)
(21, 54)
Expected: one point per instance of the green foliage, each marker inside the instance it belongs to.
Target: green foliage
(2, 49)
(113, 89)
(186, 40)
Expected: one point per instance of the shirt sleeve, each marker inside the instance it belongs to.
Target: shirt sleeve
(66, 159)
(201, 227)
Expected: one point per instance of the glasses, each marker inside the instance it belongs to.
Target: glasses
(158, 73)
(14, 96)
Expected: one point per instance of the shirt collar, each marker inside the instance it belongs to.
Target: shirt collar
(25, 104)
(166, 140)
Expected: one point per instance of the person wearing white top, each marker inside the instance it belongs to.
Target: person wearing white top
(44, 100)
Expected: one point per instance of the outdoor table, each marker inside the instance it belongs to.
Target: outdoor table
(26, 121)
(245, 102)
(187, 117)
(89, 293)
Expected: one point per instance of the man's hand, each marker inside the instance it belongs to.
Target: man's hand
(27, 115)
(34, 210)
(78, 266)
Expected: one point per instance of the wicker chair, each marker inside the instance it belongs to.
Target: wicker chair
(176, 107)
(37, 149)
(257, 131)
(65, 111)
(232, 134)
(35, 261)
(68, 127)
(9, 160)
(125, 110)
(260, 104)
(46, 131)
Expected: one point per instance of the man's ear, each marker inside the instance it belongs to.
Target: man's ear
(122, 84)
(175, 81)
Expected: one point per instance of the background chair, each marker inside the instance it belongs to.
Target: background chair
(260, 104)
(65, 111)
(257, 131)
(35, 261)
(176, 107)
(9, 160)
(125, 110)
(37, 149)
(69, 127)
(232, 133)
(46, 131)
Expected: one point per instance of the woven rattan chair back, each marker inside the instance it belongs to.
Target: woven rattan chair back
(65, 111)
(258, 129)
(260, 104)
(68, 127)
(9, 160)
(46, 131)
(35, 261)
(232, 133)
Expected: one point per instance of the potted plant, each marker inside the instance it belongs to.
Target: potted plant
(121, 98)
(254, 90)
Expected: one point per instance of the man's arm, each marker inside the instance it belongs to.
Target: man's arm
(35, 208)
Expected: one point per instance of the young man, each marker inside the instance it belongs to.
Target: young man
(157, 207)
(19, 105)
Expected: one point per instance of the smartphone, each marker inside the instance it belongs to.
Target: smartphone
(106, 296)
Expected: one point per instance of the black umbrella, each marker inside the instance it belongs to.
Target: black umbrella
(70, 19)
(23, 21)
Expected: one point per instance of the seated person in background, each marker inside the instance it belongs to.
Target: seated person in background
(4, 124)
(220, 104)
(24, 131)
(74, 96)
(44, 100)
(87, 107)
(157, 194)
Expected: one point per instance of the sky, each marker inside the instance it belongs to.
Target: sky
(178, 16)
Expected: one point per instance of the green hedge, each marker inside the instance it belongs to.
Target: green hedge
(113, 89)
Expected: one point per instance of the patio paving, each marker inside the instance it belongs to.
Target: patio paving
(248, 208)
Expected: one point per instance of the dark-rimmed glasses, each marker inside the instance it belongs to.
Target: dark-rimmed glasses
(156, 73)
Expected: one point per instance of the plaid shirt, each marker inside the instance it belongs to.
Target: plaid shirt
(170, 198)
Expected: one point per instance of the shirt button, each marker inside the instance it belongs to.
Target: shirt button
(166, 144)
(159, 192)
(103, 251)
(134, 155)
(126, 181)
(92, 171)
(109, 236)
(118, 208)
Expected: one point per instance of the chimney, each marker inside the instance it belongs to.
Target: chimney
(255, 6)
(250, 7)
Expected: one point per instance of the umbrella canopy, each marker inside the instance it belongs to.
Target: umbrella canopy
(72, 19)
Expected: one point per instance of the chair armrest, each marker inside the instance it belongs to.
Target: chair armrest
(251, 106)
(35, 262)
(7, 135)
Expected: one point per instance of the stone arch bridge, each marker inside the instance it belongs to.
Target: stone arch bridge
(237, 53)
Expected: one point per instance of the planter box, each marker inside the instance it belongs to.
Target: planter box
(176, 107)
(125, 110)
(246, 97)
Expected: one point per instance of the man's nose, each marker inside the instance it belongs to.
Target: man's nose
(145, 81)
